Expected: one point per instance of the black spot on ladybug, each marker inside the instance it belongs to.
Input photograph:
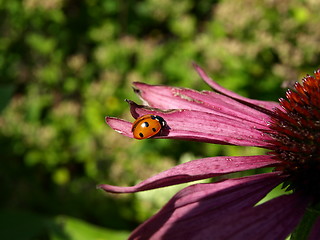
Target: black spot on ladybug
(153, 129)
(141, 135)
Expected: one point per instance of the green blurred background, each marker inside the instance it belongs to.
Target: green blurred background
(66, 64)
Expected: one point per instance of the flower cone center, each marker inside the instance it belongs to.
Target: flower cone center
(295, 130)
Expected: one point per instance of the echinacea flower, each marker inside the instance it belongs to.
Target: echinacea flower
(228, 209)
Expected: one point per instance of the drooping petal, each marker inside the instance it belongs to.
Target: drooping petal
(166, 98)
(196, 170)
(264, 104)
(274, 219)
(315, 231)
(202, 205)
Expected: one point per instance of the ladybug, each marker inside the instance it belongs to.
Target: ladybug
(147, 126)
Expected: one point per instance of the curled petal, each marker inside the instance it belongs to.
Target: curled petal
(250, 102)
(202, 205)
(196, 170)
(181, 98)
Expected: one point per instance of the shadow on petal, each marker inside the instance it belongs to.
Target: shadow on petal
(199, 205)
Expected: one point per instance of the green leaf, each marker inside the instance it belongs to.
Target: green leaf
(22, 225)
(67, 228)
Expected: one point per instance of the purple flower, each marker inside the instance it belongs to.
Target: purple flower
(228, 209)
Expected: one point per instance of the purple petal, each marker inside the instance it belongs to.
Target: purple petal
(315, 231)
(205, 127)
(198, 126)
(274, 219)
(119, 125)
(164, 97)
(201, 205)
(264, 104)
(196, 170)
(183, 125)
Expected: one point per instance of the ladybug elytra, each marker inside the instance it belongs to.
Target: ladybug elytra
(147, 126)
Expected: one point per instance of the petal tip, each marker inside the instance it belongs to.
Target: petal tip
(197, 68)
(195, 65)
(106, 119)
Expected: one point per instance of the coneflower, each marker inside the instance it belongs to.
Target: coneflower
(228, 209)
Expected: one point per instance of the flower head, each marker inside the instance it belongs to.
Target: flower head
(228, 209)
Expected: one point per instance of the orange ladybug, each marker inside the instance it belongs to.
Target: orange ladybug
(147, 126)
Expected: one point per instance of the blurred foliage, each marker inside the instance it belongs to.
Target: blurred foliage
(66, 64)
(34, 226)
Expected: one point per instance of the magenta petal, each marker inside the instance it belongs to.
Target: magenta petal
(181, 98)
(275, 219)
(206, 127)
(201, 205)
(198, 126)
(315, 231)
(265, 104)
(119, 125)
(196, 170)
